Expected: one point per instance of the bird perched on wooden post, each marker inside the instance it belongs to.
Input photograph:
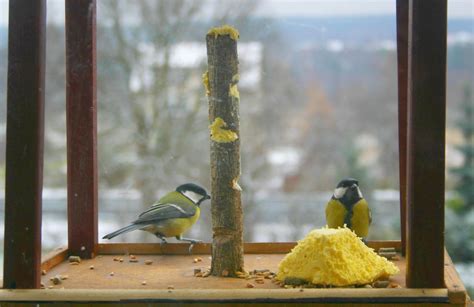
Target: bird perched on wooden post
(171, 216)
(348, 206)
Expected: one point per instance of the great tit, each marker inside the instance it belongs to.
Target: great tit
(348, 206)
(171, 215)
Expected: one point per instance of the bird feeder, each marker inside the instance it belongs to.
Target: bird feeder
(166, 273)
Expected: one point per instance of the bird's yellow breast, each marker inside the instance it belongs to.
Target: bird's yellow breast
(336, 214)
(174, 227)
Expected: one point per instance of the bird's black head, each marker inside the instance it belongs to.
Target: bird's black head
(194, 192)
(347, 191)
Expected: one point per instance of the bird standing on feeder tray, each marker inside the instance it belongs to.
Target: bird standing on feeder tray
(171, 216)
(348, 206)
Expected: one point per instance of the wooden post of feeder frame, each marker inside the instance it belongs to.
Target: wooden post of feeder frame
(24, 144)
(221, 87)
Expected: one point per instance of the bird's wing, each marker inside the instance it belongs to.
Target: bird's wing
(169, 207)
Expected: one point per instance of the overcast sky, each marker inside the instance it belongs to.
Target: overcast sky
(286, 8)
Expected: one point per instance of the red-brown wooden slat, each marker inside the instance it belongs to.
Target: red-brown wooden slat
(24, 152)
(81, 126)
(426, 143)
(402, 61)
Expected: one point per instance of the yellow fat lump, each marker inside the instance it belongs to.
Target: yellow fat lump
(335, 257)
(205, 81)
(225, 30)
(233, 89)
(221, 135)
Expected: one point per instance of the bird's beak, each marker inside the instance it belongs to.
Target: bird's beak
(207, 197)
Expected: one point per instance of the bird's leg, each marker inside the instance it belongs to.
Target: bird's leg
(163, 240)
(192, 241)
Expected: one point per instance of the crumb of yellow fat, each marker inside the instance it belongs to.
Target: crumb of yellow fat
(205, 81)
(221, 135)
(225, 30)
(235, 184)
(234, 91)
(334, 257)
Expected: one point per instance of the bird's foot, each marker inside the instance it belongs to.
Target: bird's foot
(192, 241)
(163, 240)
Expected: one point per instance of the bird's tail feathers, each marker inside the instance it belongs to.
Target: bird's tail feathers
(122, 230)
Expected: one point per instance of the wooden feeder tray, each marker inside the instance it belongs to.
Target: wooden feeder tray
(170, 278)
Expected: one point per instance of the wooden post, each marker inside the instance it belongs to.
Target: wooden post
(81, 126)
(402, 61)
(221, 84)
(426, 143)
(24, 144)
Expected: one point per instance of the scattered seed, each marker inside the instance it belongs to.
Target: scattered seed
(100, 256)
(381, 284)
(91, 267)
(57, 280)
(133, 260)
(120, 259)
(116, 259)
(74, 259)
(50, 287)
(394, 285)
(301, 289)
(388, 255)
(42, 286)
(207, 273)
(195, 260)
(144, 283)
(259, 281)
(51, 278)
(250, 285)
(133, 257)
(170, 287)
(112, 274)
(64, 277)
(148, 262)
(43, 272)
(74, 263)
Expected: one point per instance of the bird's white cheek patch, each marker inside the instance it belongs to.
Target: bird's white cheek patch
(359, 192)
(195, 197)
(339, 192)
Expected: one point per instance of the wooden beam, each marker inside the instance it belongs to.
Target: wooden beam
(24, 144)
(229, 296)
(205, 248)
(426, 143)
(81, 126)
(402, 61)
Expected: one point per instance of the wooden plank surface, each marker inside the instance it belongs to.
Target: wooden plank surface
(24, 143)
(54, 258)
(98, 285)
(402, 66)
(456, 291)
(426, 143)
(81, 126)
